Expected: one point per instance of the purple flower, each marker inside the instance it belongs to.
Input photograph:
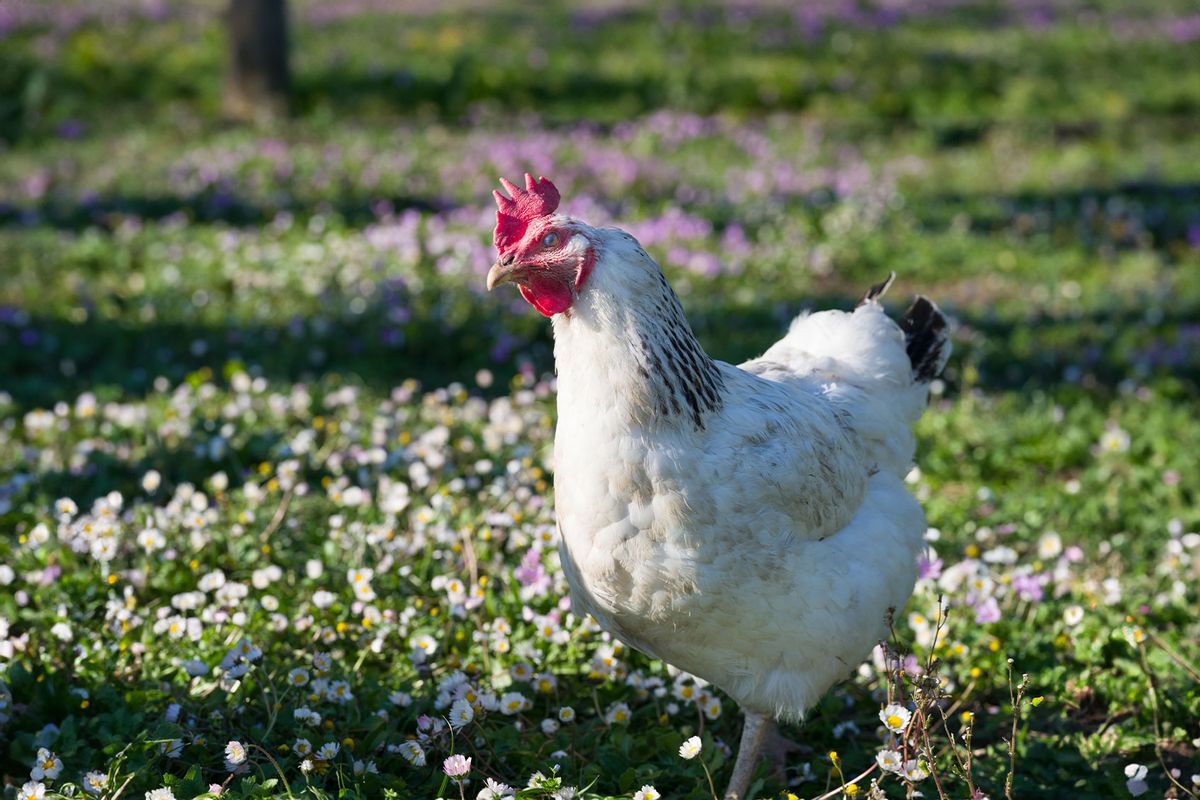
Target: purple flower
(987, 611)
(926, 569)
(532, 575)
(70, 129)
(912, 666)
(1029, 587)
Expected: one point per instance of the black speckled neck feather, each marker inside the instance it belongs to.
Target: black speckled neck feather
(680, 376)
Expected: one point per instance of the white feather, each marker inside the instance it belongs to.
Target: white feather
(760, 551)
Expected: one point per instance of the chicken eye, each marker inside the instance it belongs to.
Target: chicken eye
(550, 239)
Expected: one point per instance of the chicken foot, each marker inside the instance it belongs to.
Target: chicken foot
(777, 748)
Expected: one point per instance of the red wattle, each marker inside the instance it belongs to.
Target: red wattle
(548, 295)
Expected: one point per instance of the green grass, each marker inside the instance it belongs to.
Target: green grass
(271, 319)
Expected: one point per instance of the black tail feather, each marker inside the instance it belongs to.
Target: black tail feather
(927, 336)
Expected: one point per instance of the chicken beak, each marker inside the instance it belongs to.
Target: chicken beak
(502, 272)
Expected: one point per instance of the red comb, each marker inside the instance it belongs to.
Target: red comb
(538, 199)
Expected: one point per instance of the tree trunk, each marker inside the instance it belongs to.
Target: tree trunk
(257, 83)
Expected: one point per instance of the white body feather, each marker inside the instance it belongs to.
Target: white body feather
(760, 551)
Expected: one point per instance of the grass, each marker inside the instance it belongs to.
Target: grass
(271, 347)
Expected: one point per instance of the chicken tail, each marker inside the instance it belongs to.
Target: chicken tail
(875, 292)
(927, 339)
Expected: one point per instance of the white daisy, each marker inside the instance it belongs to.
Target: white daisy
(690, 749)
(32, 790)
(412, 753)
(513, 703)
(1114, 440)
(915, 771)
(461, 713)
(895, 718)
(95, 782)
(889, 761)
(235, 752)
(618, 713)
(495, 790)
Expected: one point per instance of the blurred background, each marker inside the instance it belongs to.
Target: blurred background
(303, 186)
(231, 233)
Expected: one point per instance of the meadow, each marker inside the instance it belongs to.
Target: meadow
(276, 508)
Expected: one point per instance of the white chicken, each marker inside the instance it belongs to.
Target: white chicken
(747, 524)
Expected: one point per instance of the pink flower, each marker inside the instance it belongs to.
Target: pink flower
(456, 766)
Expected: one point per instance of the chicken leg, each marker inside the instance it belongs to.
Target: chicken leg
(754, 731)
